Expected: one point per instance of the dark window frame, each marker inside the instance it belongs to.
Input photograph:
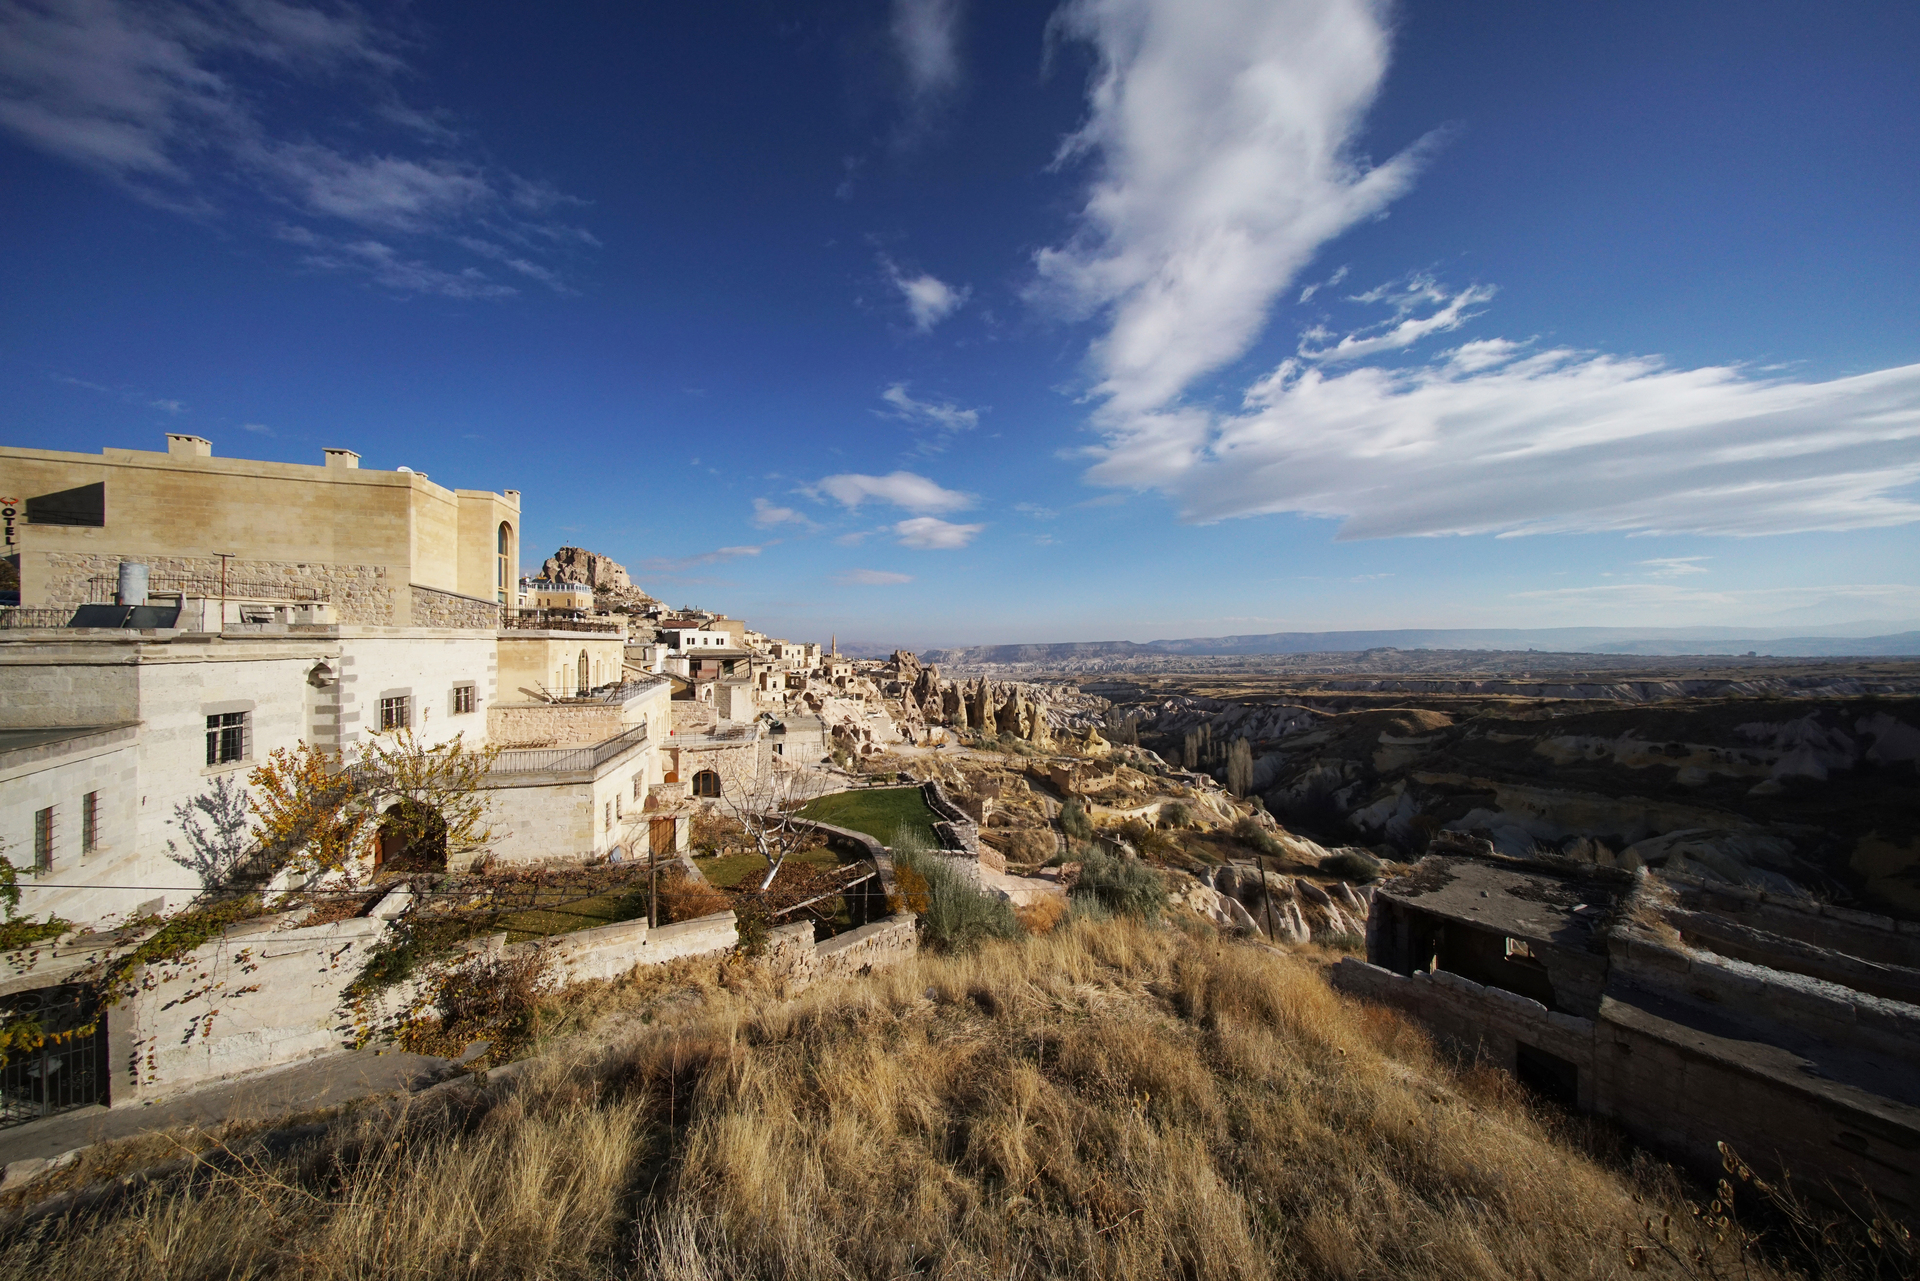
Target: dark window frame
(90, 822)
(465, 699)
(229, 738)
(396, 712)
(44, 835)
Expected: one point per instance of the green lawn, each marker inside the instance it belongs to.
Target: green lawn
(880, 812)
(626, 903)
(746, 871)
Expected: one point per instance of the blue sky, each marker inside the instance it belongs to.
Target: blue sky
(929, 321)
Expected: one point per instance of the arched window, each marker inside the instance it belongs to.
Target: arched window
(706, 783)
(504, 563)
(584, 671)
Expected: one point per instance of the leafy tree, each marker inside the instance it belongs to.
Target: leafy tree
(1240, 767)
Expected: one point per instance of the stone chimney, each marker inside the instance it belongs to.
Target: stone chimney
(342, 458)
(189, 446)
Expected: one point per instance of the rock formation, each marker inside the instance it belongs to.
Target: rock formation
(578, 565)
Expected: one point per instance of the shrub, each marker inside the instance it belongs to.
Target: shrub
(957, 917)
(1351, 865)
(1176, 815)
(1026, 845)
(1041, 917)
(1255, 837)
(1121, 884)
(1074, 821)
(1144, 837)
(684, 898)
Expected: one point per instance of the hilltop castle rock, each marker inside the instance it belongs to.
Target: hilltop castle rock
(578, 565)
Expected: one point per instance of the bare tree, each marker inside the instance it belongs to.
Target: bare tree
(766, 806)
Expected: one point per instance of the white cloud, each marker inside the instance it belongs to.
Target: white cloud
(926, 35)
(871, 578)
(929, 299)
(1306, 295)
(171, 101)
(929, 533)
(1675, 566)
(1392, 336)
(936, 422)
(258, 429)
(766, 515)
(175, 407)
(1222, 135)
(1552, 442)
(1680, 605)
(1035, 510)
(668, 565)
(904, 489)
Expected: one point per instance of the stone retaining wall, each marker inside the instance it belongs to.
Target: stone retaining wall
(435, 608)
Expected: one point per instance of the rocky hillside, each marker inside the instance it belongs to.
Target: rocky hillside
(609, 578)
(1814, 794)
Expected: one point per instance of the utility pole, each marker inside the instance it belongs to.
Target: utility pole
(224, 558)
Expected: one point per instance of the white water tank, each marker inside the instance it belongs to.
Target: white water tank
(133, 584)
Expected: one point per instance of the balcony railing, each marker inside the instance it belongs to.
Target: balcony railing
(567, 760)
(33, 616)
(558, 623)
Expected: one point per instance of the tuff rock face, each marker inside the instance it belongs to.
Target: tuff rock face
(578, 565)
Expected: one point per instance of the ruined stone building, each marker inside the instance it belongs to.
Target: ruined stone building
(1692, 1013)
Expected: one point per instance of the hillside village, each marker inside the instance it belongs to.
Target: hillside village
(354, 786)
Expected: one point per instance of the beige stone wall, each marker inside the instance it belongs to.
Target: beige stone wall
(163, 507)
(531, 662)
(433, 608)
(63, 578)
(553, 724)
(481, 515)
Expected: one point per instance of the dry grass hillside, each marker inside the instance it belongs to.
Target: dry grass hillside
(1110, 1100)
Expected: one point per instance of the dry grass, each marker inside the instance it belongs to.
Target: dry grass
(1106, 1100)
(683, 898)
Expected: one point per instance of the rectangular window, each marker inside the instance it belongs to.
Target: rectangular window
(637, 781)
(226, 738)
(396, 712)
(89, 822)
(43, 839)
(462, 699)
(609, 816)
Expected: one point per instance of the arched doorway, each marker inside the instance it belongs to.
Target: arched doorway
(585, 673)
(504, 563)
(413, 838)
(706, 783)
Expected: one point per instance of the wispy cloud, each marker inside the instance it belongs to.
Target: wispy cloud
(926, 38)
(1558, 441)
(1683, 604)
(1306, 294)
(258, 429)
(1675, 566)
(175, 407)
(767, 515)
(871, 578)
(171, 101)
(1451, 311)
(903, 489)
(935, 422)
(673, 565)
(1223, 147)
(1035, 510)
(1223, 154)
(929, 300)
(930, 533)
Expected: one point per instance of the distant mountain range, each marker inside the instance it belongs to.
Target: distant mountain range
(1562, 640)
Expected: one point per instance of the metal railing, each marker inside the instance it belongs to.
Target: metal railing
(68, 1069)
(558, 623)
(101, 589)
(33, 616)
(567, 760)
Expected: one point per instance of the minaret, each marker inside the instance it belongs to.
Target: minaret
(836, 644)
